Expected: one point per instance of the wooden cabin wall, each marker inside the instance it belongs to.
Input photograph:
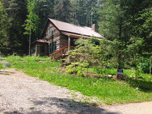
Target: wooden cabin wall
(56, 35)
(38, 51)
(34, 47)
(63, 41)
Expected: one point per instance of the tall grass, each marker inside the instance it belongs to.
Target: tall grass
(109, 91)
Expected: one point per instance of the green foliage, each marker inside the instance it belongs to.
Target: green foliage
(98, 70)
(1, 6)
(13, 14)
(139, 20)
(144, 65)
(87, 54)
(80, 73)
(70, 71)
(32, 20)
(4, 26)
(112, 26)
(75, 68)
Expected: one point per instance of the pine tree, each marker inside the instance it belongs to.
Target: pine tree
(4, 26)
(16, 14)
(112, 26)
(63, 11)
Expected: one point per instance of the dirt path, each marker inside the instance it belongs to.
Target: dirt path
(131, 108)
(22, 94)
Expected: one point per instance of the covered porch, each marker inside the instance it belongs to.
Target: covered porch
(39, 47)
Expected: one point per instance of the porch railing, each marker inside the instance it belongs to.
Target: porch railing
(61, 52)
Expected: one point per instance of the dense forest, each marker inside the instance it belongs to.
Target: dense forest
(127, 22)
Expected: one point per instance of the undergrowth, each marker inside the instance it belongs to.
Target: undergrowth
(109, 91)
(1, 66)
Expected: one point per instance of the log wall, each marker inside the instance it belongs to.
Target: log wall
(63, 41)
(56, 35)
(35, 53)
(38, 50)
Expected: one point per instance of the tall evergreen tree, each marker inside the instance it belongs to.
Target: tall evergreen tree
(4, 26)
(112, 26)
(16, 14)
(63, 11)
(139, 19)
(45, 10)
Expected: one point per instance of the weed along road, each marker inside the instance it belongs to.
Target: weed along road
(22, 94)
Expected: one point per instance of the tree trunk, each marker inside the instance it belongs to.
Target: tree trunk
(118, 63)
(150, 67)
(30, 40)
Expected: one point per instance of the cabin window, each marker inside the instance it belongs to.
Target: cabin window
(42, 49)
(33, 49)
(49, 31)
(52, 47)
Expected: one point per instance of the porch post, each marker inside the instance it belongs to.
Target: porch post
(68, 48)
(49, 48)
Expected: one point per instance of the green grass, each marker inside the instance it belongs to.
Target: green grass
(109, 91)
(1, 66)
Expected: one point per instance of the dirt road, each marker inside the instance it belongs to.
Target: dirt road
(22, 94)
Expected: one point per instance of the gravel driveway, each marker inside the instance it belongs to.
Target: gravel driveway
(22, 94)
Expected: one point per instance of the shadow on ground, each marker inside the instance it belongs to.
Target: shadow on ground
(140, 83)
(53, 105)
(145, 86)
(6, 73)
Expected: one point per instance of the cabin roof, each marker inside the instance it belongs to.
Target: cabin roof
(40, 41)
(67, 27)
(72, 35)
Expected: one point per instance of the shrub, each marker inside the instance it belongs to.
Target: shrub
(98, 70)
(70, 71)
(80, 73)
(144, 65)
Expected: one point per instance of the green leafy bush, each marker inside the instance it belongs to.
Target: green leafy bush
(144, 65)
(74, 69)
(98, 70)
(80, 73)
(70, 71)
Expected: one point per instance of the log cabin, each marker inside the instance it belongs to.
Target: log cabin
(59, 37)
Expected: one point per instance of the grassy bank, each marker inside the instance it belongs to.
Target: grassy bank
(109, 91)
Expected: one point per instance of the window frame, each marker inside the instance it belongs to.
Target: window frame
(42, 47)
